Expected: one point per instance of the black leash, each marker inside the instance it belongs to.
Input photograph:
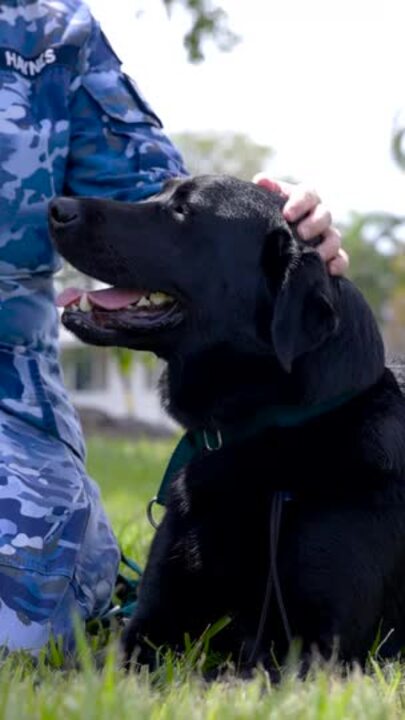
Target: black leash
(273, 581)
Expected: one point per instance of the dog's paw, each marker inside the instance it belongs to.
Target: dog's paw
(130, 646)
(135, 650)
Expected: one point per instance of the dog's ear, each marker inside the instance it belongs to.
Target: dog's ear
(304, 315)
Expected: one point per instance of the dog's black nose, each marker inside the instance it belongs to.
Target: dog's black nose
(63, 210)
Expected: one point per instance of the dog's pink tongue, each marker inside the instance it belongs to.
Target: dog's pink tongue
(114, 298)
(68, 296)
(108, 299)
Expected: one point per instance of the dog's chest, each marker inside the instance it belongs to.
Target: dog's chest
(222, 504)
(222, 507)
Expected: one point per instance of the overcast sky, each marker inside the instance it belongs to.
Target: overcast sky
(321, 81)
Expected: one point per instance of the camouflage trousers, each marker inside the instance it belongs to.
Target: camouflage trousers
(58, 555)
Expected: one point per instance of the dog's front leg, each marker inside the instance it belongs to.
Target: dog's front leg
(165, 610)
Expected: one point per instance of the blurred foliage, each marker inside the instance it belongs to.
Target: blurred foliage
(207, 22)
(126, 360)
(395, 316)
(123, 358)
(374, 244)
(226, 152)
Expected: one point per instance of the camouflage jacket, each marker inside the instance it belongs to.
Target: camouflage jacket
(70, 122)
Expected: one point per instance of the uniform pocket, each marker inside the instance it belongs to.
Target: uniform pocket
(120, 99)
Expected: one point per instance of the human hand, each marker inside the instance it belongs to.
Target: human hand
(304, 207)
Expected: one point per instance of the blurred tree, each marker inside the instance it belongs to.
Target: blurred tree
(227, 152)
(381, 276)
(207, 22)
(394, 326)
(373, 243)
(376, 245)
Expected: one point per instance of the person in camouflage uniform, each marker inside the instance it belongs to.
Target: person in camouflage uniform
(70, 122)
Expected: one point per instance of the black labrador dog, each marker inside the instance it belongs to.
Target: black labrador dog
(288, 515)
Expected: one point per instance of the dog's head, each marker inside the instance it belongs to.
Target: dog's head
(209, 260)
(207, 269)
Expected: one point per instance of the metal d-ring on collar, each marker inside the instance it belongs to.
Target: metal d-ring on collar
(149, 512)
(210, 440)
(218, 439)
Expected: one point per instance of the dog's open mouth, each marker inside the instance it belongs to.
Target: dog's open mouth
(119, 310)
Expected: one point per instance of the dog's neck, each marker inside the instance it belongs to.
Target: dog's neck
(219, 387)
(223, 386)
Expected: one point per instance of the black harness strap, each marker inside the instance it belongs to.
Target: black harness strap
(276, 510)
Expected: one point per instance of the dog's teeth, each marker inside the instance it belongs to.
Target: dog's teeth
(84, 303)
(73, 306)
(159, 298)
(143, 302)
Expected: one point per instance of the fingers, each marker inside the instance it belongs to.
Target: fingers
(340, 264)
(317, 222)
(330, 245)
(274, 185)
(301, 202)
(313, 219)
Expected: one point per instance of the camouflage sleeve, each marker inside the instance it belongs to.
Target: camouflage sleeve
(117, 146)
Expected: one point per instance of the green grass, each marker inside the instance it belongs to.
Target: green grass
(129, 474)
